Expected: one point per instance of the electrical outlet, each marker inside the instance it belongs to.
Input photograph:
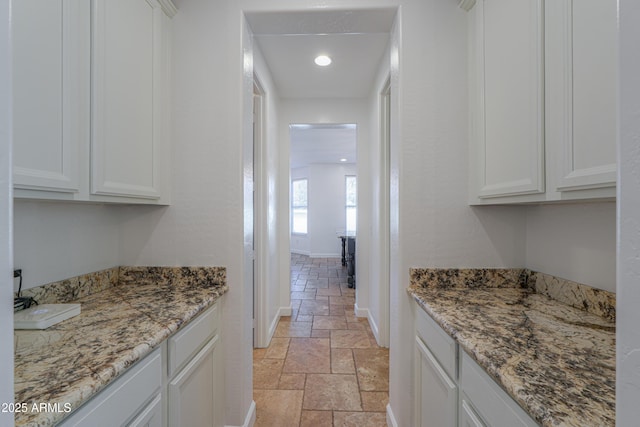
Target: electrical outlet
(17, 273)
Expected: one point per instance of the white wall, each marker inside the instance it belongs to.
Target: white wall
(6, 256)
(327, 200)
(58, 240)
(574, 241)
(326, 215)
(628, 301)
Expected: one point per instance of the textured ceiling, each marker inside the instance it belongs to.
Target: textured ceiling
(322, 144)
(356, 40)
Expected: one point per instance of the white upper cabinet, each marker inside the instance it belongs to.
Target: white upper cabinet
(50, 93)
(510, 96)
(582, 103)
(91, 100)
(126, 104)
(543, 77)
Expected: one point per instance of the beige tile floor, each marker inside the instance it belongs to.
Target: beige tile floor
(323, 366)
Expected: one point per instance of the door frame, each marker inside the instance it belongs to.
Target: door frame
(261, 335)
(385, 212)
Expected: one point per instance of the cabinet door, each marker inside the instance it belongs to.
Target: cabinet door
(468, 417)
(150, 416)
(436, 394)
(509, 115)
(50, 92)
(582, 69)
(127, 64)
(193, 399)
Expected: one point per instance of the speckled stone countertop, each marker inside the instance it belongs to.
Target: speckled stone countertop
(133, 311)
(555, 360)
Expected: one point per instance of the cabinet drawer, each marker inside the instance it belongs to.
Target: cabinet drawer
(124, 398)
(184, 345)
(494, 405)
(441, 345)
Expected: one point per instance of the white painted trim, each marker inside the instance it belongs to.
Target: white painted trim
(360, 312)
(284, 312)
(382, 329)
(391, 419)
(299, 252)
(262, 328)
(376, 330)
(327, 255)
(6, 212)
(272, 327)
(250, 419)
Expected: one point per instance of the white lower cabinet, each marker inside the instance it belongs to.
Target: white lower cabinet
(494, 406)
(124, 399)
(153, 393)
(452, 390)
(468, 417)
(437, 394)
(192, 393)
(151, 415)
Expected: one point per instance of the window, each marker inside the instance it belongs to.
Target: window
(351, 192)
(299, 206)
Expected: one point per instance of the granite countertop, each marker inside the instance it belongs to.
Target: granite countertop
(555, 360)
(125, 320)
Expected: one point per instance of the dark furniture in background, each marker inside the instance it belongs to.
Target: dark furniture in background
(351, 261)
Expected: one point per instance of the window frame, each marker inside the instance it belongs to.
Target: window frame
(349, 206)
(304, 206)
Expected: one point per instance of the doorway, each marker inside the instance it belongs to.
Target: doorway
(323, 170)
(306, 105)
(312, 97)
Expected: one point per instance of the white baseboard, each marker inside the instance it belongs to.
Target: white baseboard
(391, 420)
(250, 419)
(361, 312)
(272, 327)
(283, 311)
(327, 255)
(364, 312)
(374, 327)
(300, 252)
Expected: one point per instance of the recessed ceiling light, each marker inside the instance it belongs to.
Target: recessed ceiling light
(322, 60)
(343, 160)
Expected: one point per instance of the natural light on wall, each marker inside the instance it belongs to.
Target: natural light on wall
(351, 192)
(299, 206)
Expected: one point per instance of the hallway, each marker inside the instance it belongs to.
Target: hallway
(323, 367)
